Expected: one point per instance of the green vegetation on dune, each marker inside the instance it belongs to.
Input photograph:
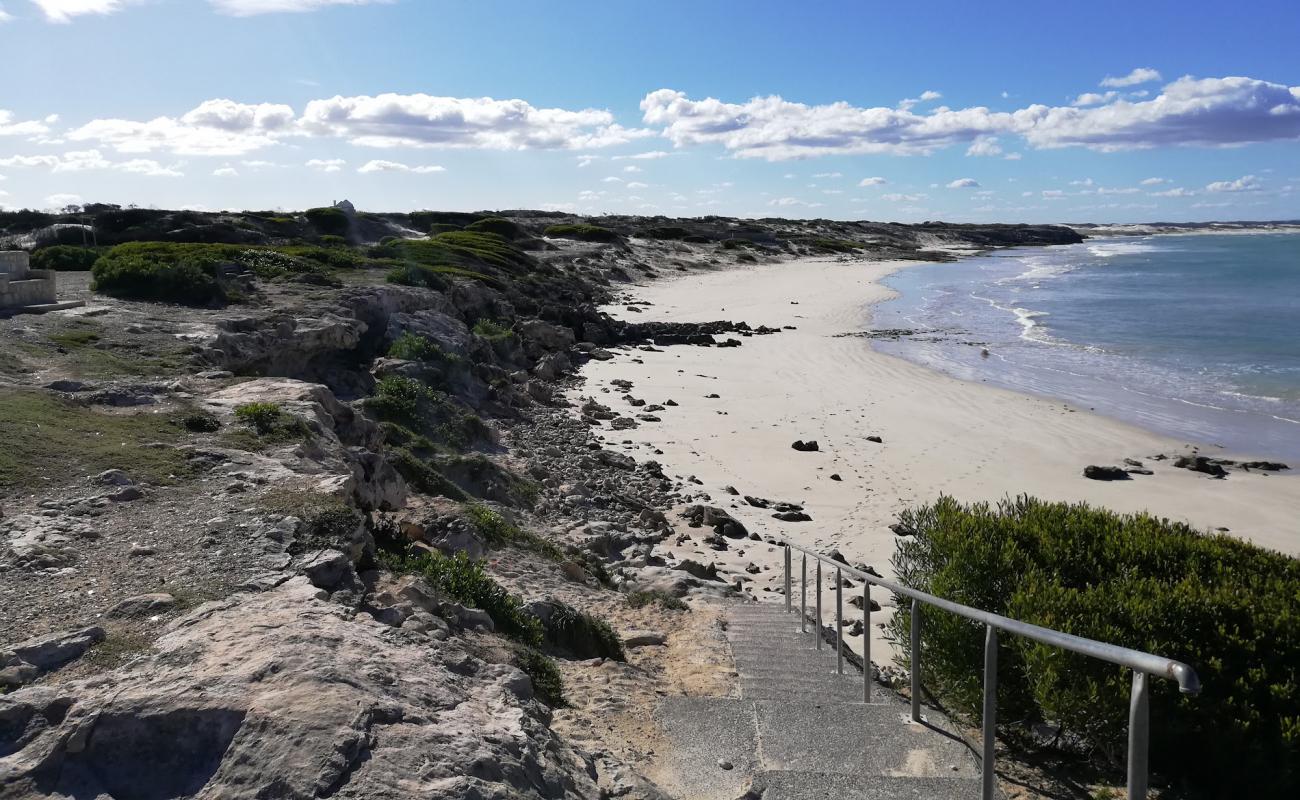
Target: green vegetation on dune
(504, 228)
(48, 441)
(328, 221)
(582, 231)
(65, 258)
(164, 272)
(1228, 608)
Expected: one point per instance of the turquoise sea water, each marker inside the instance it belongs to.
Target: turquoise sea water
(1196, 336)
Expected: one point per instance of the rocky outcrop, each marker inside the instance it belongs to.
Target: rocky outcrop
(342, 446)
(286, 694)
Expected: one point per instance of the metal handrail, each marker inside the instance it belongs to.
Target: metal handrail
(1142, 664)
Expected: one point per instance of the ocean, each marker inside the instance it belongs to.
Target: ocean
(1195, 336)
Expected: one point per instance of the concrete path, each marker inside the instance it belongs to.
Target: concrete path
(800, 730)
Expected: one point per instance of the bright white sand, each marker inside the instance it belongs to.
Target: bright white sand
(941, 435)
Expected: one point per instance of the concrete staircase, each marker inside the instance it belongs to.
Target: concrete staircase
(799, 730)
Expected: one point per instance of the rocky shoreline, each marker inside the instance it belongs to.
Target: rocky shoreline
(205, 546)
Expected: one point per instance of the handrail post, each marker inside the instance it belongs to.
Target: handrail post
(916, 660)
(866, 642)
(990, 710)
(839, 622)
(819, 604)
(803, 593)
(787, 579)
(1139, 732)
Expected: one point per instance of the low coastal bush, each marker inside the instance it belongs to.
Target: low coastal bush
(501, 227)
(665, 600)
(583, 635)
(466, 582)
(65, 258)
(200, 422)
(581, 231)
(270, 422)
(498, 531)
(425, 412)
(1227, 607)
(163, 272)
(328, 221)
(413, 347)
(541, 670)
(491, 330)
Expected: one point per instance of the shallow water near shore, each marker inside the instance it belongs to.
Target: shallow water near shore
(1191, 336)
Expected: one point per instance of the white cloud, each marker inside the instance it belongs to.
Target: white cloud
(1189, 111)
(984, 146)
(327, 164)
(829, 175)
(58, 201)
(632, 168)
(1094, 99)
(5, 16)
(896, 197)
(873, 181)
(1246, 183)
(248, 8)
(379, 165)
(225, 172)
(11, 127)
(82, 160)
(1153, 181)
(64, 10)
(638, 185)
(650, 156)
(787, 202)
(964, 183)
(925, 97)
(421, 120)
(215, 127)
(1139, 75)
(611, 179)
(1013, 156)
(1175, 192)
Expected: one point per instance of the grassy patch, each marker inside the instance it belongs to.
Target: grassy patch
(499, 531)
(583, 635)
(426, 412)
(413, 347)
(272, 424)
(467, 583)
(492, 331)
(422, 476)
(665, 600)
(75, 337)
(582, 231)
(118, 647)
(541, 670)
(49, 441)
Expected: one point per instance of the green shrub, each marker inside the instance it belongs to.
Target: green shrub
(423, 476)
(442, 227)
(429, 413)
(504, 228)
(664, 232)
(492, 331)
(330, 240)
(581, 231)
(466, 582)
(416, 275)
(163, 272)
(583, 635)
(665, 600)
(270, 422)
(65, 258)
(498, 531)
(328, 221)
(1228, 608)
(200, 422)
(413, 347)
(541, 670)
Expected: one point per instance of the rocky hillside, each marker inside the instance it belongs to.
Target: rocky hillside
(293, 507)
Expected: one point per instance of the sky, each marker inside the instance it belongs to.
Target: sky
(984, 112)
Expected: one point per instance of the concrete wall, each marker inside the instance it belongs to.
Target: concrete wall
(14, 263)
(21, 286)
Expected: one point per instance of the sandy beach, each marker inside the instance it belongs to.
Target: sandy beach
(938, 435)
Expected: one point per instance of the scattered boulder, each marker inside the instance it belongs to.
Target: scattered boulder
(1202, 464)
(805, 447)
(1097, 473)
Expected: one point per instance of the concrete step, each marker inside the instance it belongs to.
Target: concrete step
(789, 785)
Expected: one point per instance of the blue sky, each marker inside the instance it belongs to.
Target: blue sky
(989, 111)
